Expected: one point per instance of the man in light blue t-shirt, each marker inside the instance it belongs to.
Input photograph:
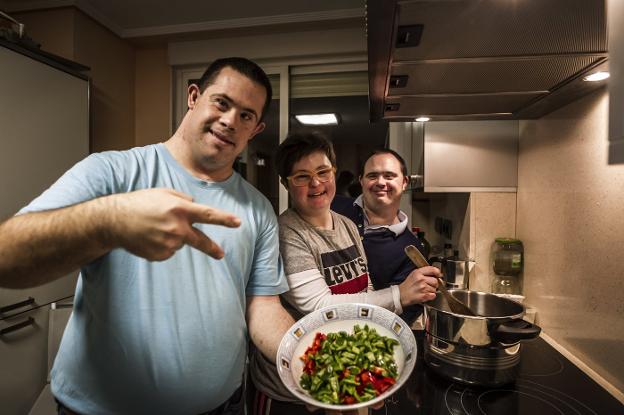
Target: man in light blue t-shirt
(179, 261)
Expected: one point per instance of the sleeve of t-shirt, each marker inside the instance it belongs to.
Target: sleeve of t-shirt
(309, 290)
(267, 273)
(88, 179)
(295, 252)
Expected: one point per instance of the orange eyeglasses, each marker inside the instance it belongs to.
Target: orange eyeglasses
(303, 178)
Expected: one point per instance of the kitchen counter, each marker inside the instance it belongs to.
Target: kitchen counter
(548, 384)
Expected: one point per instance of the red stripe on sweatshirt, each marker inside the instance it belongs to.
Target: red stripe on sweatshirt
(354, 286)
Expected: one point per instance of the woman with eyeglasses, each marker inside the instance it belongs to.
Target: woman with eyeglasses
(322, 253)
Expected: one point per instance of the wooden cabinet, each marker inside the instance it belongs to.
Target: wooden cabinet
(16, 301)
(29, 342)
(23, 358)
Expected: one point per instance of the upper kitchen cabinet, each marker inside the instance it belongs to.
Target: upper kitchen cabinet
(467, 156)
(471, 156)
(481, 59)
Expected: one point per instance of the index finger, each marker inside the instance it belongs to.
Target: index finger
(198, 240)
(198, 213)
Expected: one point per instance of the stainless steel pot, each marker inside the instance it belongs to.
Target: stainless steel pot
(456, 271)
(480, 350)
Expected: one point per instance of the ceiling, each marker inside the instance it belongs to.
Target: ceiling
(138, 20)
(141, 18)
(354, 128)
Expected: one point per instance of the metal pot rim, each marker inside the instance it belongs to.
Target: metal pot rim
(517, 316)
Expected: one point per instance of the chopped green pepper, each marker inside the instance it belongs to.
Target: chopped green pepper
(345, 369)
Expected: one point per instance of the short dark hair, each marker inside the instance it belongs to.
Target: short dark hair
(344, 179)
(299, 144)
(243, 66)
(385, 151)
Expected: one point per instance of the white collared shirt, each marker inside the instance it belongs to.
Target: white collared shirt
(397, 228)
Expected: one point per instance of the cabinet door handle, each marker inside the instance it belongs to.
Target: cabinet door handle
(28, 322)
(21, 304)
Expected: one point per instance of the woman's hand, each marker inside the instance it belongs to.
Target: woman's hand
(419, 286)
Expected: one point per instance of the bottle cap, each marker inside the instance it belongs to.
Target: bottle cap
(508, 241)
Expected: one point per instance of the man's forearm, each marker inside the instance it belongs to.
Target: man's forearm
(150, 223)
(267, 321)
(36, 248)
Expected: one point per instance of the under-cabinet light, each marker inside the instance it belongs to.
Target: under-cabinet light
(597, 76)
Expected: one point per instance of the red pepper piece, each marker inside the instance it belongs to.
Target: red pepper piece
(365, 378)
(348, 399)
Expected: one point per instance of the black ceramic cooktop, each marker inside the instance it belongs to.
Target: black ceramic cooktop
(548, 384)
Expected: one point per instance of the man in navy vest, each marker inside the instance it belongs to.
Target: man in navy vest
(384, 228)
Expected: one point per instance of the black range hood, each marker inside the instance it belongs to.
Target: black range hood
(481, 59)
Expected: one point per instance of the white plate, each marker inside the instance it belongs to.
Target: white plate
(343, 317)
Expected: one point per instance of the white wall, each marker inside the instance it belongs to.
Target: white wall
(570, 204)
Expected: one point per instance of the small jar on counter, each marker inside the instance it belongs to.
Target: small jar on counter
(508, 263)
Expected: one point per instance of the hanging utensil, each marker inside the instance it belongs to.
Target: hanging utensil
(455, 305)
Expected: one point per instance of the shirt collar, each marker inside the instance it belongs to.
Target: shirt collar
(397, 228)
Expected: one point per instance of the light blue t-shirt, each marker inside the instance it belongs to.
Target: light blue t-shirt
(162, 337)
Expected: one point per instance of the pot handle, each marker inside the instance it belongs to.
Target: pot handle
(513, 331)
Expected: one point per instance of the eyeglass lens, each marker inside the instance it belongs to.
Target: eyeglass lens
(302, 179)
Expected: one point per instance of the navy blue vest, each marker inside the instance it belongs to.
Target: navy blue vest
(387, 263)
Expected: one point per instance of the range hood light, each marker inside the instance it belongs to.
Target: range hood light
(596, 76)
(423, 119)
(317, 119)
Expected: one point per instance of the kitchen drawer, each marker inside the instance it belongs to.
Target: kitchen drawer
(19, 301)
(23, 358)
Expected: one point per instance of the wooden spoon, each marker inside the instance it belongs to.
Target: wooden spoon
(455, 305)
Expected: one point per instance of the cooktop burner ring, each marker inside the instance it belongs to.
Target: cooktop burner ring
(471, 401)
(446, 402)
(542, 388)
(529, 395)
(554, 368)
(554, 392)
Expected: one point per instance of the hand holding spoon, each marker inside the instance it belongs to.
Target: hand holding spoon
(455, 305)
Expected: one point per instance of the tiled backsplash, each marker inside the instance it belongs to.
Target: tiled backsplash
(492, 215)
